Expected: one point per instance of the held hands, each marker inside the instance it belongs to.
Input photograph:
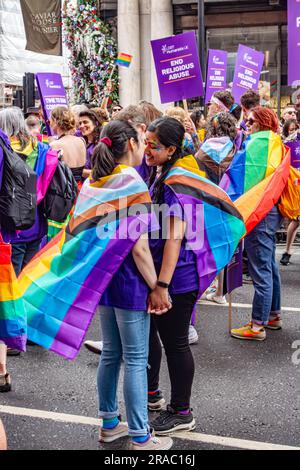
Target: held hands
(159, 301)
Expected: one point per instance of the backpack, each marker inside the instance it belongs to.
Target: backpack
(289, 203)
(17, 193)
(61, 194)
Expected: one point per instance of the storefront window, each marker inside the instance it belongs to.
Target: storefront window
(263, 38)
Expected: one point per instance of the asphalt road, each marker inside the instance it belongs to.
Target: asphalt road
(245, 394)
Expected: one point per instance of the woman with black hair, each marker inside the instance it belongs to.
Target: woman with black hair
(90, 127)
(177, 274)
(124, 319)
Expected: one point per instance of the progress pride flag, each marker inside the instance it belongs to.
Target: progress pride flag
(216, 72)
(247, 71)
(177, 67)
(293, 42)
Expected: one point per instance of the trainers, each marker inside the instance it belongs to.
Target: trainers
(170, 420)
(246, 332)
(13, 352)
(110, 435)
(94, 346)
(219, 299)
(5, 383)
(154, 443)
(247, 279)
(156, 401)
(285, 259)
(274, 324)
(193, 335)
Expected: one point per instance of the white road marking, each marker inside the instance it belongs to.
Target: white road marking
(190, 436)
(214, 304)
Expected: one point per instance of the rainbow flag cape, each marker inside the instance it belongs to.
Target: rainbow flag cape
(124, 60)
(257, 176)
(215, 156)
(45, 167)
(13, 325)
(63, 284)
(214, 225)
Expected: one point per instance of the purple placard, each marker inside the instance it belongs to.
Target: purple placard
(177, 67)
(216, 72)
(247, 71)
(233, 273)
(293, 42)
(52, 93)
(295, 153)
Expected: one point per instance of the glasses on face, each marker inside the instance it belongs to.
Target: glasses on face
(116, 110)
(290, 112)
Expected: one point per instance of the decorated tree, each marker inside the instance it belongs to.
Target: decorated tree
(93, 52)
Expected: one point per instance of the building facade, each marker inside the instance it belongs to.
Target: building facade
(260, 24)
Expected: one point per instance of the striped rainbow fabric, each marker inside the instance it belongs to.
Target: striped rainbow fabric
(13, 325)
(63, 284)
(124, 60)
(214, 225)
(257, 176)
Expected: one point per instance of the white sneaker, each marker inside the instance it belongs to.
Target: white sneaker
(94, 346)
(193, 335)
(219, 299)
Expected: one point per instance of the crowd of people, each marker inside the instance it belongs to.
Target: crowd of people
(149, 303)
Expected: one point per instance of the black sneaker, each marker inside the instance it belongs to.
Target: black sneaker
(170, 421)
(13, 352)
(156, 401)
(285, 259)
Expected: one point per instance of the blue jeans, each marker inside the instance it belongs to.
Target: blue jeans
(125, 333)
(260, 245)
(22, 253)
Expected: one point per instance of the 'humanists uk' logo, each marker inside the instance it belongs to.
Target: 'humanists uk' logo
(217, 61)
(249, 60)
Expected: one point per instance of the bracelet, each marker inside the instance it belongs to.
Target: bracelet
(164, 285)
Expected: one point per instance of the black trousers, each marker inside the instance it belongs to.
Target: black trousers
(173, 330)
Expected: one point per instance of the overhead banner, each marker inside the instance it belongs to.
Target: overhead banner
(177, 67)
(52, 94)
(293, 42)
(247, 71)
(42, 22)
(216, 72)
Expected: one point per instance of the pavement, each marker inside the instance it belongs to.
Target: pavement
(246, 395)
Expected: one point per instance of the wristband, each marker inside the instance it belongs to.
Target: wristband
(164, 285)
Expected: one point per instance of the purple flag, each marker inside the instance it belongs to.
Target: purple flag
(52, 94)
(295, 153)
(216, 72)
(233, 273)
(247, 71)
(293, 42)
(177, 67)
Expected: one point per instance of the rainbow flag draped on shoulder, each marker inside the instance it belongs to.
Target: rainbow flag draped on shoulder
(257, 176)
(63, 284)
(214, 225)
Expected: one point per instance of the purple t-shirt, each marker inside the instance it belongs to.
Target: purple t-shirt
(185, 277)
(89, 152)
(127, 289)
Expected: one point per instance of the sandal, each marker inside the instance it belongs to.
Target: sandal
(5, 383)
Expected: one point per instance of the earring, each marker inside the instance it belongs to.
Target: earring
(169, 158)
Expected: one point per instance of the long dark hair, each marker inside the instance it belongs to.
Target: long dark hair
(286, 127)
(169, 132)
(92, 115)
(107, 154)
